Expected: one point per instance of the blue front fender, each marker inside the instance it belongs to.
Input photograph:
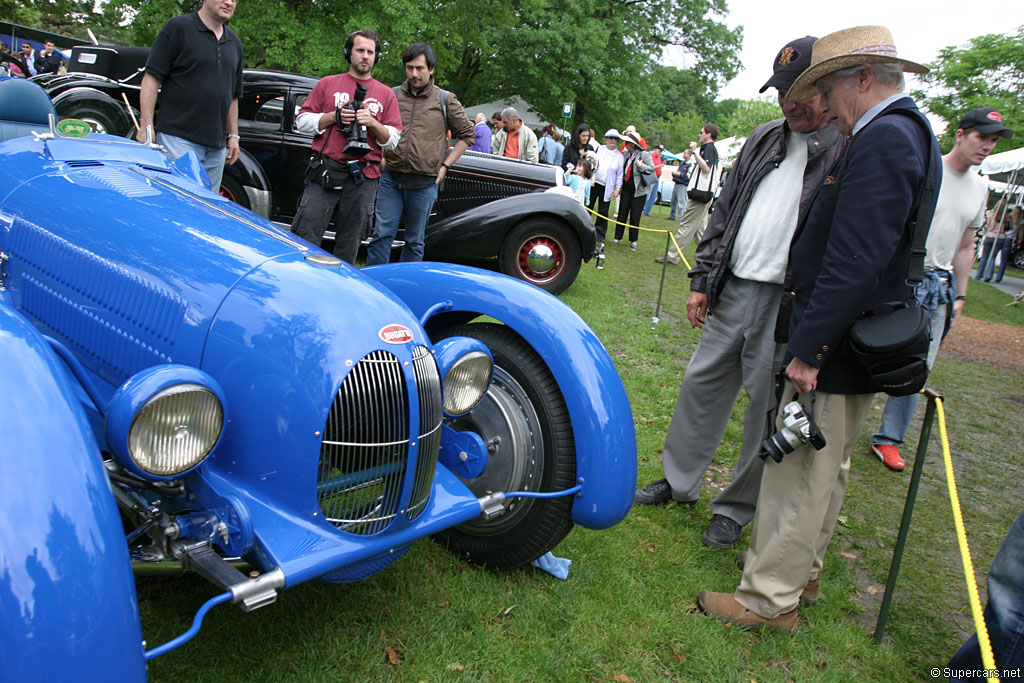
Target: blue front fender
(601, 417)
(67, 595)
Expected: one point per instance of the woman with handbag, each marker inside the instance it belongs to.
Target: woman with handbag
(700, 191)
(638, 177)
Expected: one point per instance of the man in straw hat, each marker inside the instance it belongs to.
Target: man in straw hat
(734, 296)
(850, 254)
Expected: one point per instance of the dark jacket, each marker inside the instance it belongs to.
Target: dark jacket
(424, 145)
(762, 153)
(48, 64)
(851, 253)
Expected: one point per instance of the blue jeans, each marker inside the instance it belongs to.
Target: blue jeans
(212, 158)
(679, 200)
(990, 246)
(651, 198)
(1007, 248)
(394, 203)
(1004, 613)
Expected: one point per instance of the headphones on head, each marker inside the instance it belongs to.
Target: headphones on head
(350, 41)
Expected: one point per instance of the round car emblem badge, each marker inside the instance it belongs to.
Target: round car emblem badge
(395, 334)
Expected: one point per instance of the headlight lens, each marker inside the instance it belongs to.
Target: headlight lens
(176, 429)
(466, 382)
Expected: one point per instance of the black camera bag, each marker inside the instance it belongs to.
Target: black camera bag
(892, 345)
(325, 171)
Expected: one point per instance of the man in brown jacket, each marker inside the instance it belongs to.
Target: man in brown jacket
(414, 169)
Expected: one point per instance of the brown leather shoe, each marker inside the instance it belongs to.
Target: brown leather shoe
(723, 606)
(811, 591)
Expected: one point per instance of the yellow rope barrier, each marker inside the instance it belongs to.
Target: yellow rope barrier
(670, 234)
(965, 554)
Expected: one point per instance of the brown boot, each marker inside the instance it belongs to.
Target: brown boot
(808, 597)
(723, 606)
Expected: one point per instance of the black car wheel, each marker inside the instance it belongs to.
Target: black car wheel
(233, 190)
(1017, 258)
(102, 112)
(542, 252)
(525, 423)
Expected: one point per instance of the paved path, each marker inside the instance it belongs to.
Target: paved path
(1010, 285)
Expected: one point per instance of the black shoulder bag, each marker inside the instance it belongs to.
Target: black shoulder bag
(891, 341)
(697, 194)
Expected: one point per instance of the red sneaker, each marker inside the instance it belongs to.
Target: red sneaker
(890, 455)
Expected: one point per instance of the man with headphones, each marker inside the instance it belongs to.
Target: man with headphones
(343, 173)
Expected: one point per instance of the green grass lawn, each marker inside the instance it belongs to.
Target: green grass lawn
(628, 609)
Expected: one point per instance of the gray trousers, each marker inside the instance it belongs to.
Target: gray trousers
(737, 349)
(352, 208)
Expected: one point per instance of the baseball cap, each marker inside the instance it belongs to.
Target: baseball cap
(612, 133)
(791, 61)
(985, 120)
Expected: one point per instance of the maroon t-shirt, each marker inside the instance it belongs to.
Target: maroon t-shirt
(337, 91)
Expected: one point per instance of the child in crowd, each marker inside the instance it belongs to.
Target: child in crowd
(578, 180)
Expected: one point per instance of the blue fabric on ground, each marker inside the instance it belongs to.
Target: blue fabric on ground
(556, 566)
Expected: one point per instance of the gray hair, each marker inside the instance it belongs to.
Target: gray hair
(480, 117)
(888, 74)
(511, 113)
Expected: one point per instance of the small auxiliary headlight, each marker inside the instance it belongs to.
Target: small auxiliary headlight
(164, 421)
(466, 367)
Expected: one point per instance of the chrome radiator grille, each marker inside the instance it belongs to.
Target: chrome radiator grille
(428, 382)
(365, 449)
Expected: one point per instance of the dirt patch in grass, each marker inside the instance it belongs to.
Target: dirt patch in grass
(993, 343)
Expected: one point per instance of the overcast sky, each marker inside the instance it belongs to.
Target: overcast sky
(919, 30)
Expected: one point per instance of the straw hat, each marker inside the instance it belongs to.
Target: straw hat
(630, 136)
(849, 47)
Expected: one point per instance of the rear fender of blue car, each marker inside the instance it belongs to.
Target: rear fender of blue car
(602, 420)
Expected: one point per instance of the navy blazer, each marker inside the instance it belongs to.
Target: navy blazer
(852, 251)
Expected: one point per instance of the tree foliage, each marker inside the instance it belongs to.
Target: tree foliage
(987, 72)
(746, 115)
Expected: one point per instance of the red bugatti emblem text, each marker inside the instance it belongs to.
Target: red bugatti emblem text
(395, 334)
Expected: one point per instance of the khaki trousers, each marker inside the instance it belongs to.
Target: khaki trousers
(691, 226)
(798, 506)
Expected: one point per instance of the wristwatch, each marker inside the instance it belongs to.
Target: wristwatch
(446, 166)
(961, 297)
(235, 136)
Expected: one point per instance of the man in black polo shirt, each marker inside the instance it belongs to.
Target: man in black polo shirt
(196, 64)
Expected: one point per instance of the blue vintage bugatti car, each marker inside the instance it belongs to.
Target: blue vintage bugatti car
(186, 383)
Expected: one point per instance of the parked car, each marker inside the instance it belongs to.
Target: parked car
(539, 237)
(186, 383)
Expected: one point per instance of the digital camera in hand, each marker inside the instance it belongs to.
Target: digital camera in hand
(798, 428)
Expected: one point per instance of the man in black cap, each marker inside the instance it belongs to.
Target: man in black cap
(960, 211)
(734, 295)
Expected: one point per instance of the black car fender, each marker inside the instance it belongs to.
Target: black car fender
(245, 182)
(482, 230)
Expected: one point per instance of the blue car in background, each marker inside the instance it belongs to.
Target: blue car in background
(189, 387)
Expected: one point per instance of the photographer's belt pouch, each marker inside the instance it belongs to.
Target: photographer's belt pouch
(892, 345)
(326, 172)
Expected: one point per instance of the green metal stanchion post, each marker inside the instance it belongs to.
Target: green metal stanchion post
(661, 288)
(908, 511)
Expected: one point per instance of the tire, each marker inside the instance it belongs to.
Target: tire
(233, 190)
(1017, 258)
(524, 421)
(543, 252)
(102, 112)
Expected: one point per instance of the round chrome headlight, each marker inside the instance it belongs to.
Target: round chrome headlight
(466, 366)
(466, 382)
(176, 429)
(165, 420)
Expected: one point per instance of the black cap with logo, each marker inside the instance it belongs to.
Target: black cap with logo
(791, 61)
(985, 120)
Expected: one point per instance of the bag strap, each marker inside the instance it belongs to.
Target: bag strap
(925, 206)
(444, 102)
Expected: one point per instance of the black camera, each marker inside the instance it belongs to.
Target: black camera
(798, 428)
(356, 133)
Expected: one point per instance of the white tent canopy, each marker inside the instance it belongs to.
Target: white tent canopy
(1004, 162)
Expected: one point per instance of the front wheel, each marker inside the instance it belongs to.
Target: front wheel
(543, 252)
(1017, 258)
(525, 424)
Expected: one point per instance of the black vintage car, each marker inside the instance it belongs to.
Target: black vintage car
(488, 206)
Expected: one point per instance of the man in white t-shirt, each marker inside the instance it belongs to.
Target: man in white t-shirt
(950, 252)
